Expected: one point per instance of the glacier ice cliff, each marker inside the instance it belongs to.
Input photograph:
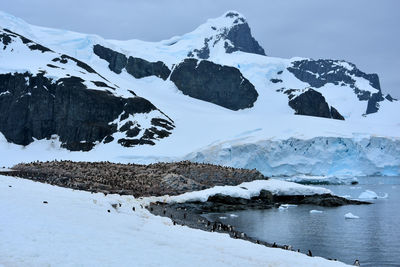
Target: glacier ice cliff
(319, 156)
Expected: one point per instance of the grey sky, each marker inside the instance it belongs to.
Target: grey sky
(365, 32)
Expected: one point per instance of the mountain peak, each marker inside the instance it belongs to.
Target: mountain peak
(230, 32)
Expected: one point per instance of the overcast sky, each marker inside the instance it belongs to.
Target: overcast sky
(365, 32)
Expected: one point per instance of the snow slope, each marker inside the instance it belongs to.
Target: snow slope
(211, 129)
(75, 229)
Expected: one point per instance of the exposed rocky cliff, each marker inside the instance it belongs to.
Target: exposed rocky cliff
(317, 73)
(81, 110)
(221, 85)
(312, 103)
(36, 107)
(234, 36)
(137, 67)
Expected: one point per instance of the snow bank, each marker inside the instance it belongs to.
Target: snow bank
(74, 228)
(245, 190)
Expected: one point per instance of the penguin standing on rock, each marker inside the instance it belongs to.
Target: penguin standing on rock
(356, 263)
(309, 253)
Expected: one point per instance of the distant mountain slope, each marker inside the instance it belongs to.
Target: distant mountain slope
(45, 94)
(214, 85)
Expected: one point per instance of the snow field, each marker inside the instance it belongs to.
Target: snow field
(75, 229)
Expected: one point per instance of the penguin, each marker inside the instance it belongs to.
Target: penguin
(356, 263)
(309, 253)
(274, 245)
(133, 208)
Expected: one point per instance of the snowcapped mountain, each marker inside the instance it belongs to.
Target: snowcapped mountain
(210, 95)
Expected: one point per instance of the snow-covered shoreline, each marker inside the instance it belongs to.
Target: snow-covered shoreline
(75, 228)
(245, 190)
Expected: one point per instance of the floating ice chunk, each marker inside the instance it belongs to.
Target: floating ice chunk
(368, 194)
(288, 205)
(384, 196)
(281, 208)
(223, 217)
(233, 215)
(316, 211)
(350, 216)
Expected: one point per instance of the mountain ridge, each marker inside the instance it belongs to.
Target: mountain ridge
(239, 92)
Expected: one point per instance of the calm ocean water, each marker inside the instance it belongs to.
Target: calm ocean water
(373, 239)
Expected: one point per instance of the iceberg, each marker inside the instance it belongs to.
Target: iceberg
(316, 211)
(368, 194)
(351, 216)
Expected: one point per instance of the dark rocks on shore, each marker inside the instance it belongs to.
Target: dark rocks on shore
(265, 200)
(190, 213)
(214, 83)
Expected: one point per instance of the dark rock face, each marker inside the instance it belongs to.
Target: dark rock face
(38, 107)
(140, 68)
(137, 67)
(117, 61)
(5, 40)
(312, 103)
(390, 98)
(8, 35)
(242, 40)
(221, 85)
(373, 102)
(204, 52)
(320, 72)
(336, 115)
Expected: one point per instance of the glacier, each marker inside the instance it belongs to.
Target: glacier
(318, 156)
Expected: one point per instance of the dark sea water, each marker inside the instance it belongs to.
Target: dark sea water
(373, 239)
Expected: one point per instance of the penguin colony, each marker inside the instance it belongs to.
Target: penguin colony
(134, 179)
